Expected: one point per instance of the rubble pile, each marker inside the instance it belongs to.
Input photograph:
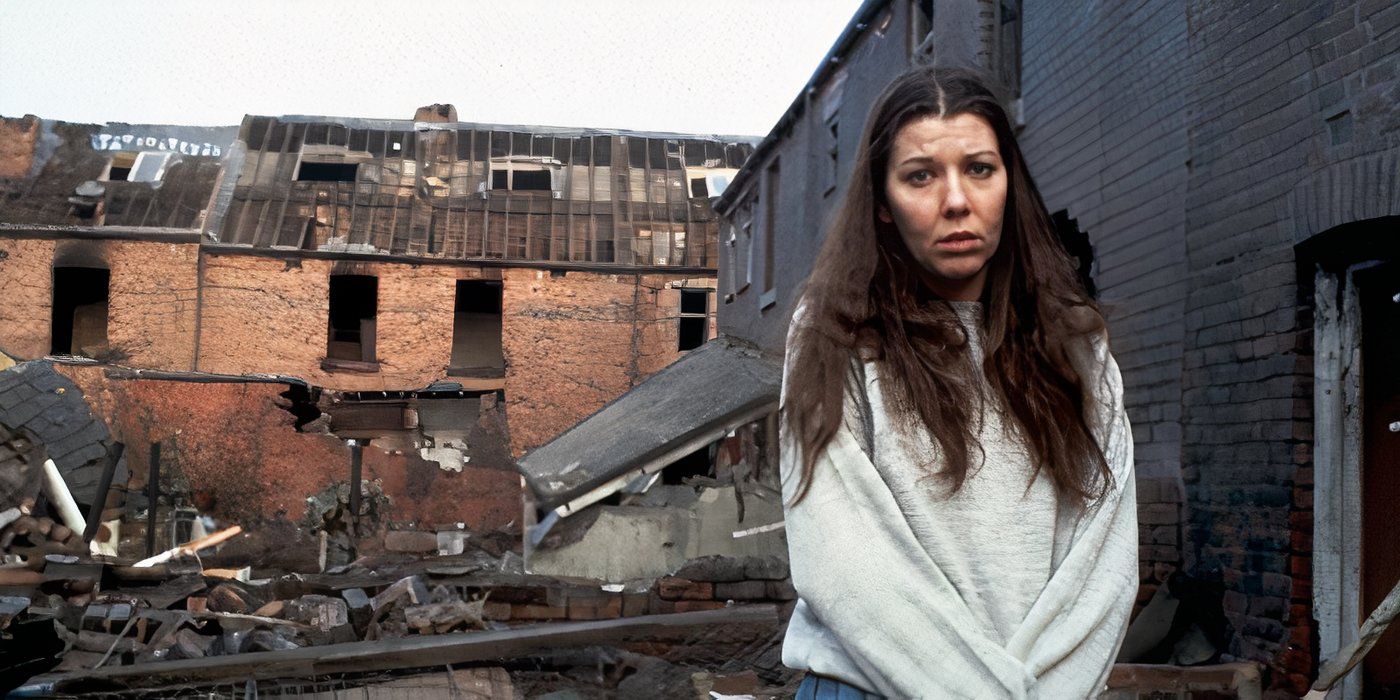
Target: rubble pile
(155, 592)
(112, 623)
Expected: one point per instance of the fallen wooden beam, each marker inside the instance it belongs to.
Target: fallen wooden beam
(190, 547)
(408, 652)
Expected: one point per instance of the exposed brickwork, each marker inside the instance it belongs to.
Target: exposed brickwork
(1196, 154)
(269, 315)
(572, 341)
(151, 320)
(26, 288)
(1159, 534)
(232, 442)
(151, 293)
(575, 341)
(17, 138)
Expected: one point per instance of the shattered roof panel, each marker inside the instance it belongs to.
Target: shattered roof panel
(701, 391)
(465, 191)
(36, 398)
(137, 175)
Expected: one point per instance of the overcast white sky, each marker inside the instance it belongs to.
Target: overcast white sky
(703, 66)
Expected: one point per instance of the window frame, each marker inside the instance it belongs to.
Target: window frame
(703, 316)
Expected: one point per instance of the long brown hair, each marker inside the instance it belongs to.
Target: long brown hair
(864, 299)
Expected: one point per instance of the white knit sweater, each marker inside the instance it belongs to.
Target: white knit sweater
(995, 591)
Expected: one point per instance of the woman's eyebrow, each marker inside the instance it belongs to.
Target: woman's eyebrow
(931, 159)
(917, 159)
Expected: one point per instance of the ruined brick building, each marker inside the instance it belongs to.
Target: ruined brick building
(1225, 172)
(424, 299)
(1227, 175)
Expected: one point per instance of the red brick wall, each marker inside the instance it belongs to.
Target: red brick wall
(269, 315)
(151, 297)
(572, 341)
(17, 137)
(26, 288)
(233, 442)
(1159, 534)
(575, 341)
(152, 302)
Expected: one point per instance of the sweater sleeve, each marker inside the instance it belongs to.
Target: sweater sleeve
(1076, 626)
(859, 570)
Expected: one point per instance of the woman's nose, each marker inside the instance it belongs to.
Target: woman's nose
(955, 201)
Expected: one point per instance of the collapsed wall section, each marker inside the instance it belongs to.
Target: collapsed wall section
(234, 451)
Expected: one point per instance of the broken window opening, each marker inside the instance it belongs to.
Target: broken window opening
(120, 167)
(531, 180)
(698, 463)
(698, 188)
(519, 179)
(300, 401)
(354, 300)
(144, 166)
(327, 172)
(694, 319)
(80, 296)
(476, 329)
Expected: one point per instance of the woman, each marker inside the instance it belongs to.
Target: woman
(957, 464)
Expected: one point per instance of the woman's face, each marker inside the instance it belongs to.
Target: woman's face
(945, 190)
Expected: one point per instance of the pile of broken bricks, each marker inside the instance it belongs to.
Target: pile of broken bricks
(111, 615)
(77, 616)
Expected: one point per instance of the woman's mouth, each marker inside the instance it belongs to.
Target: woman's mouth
(958, 242)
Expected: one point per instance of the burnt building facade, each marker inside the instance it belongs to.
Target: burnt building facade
(248, 296)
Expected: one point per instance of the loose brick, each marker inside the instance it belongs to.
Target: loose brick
(741, 590)
(656, 605)
(672, 588)
(634, 604)
(538, 612)
(697, 605)
(412, 541)
(781, 590)
(595, 608)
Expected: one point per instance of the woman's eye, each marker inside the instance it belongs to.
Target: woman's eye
(982, 169)
(920, 176)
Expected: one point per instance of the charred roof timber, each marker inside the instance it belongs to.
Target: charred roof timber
(434, 188)
(90, 176)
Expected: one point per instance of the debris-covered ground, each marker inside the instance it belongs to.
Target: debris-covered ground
(407, 618)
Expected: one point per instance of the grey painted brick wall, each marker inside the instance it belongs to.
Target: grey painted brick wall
(804, 204)
(1191, 140)
(1197, 142)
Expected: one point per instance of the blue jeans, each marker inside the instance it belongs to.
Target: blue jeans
(816, 687)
